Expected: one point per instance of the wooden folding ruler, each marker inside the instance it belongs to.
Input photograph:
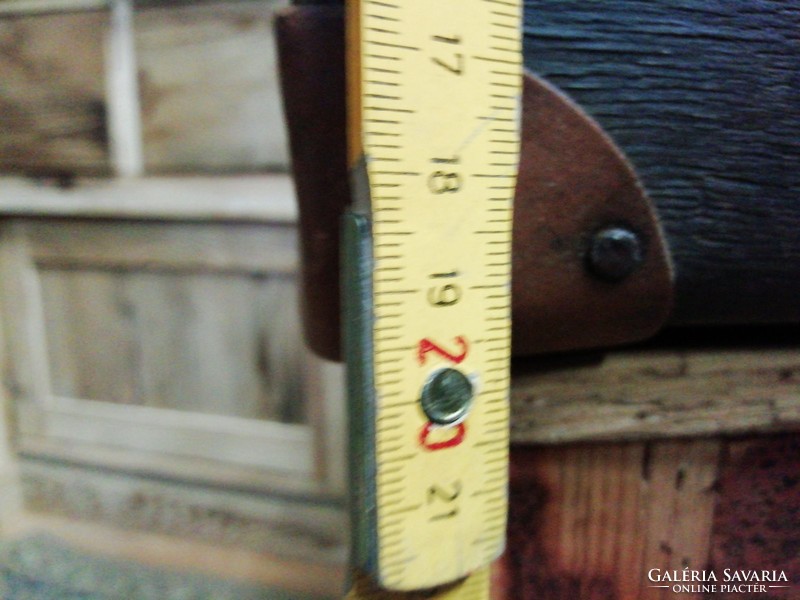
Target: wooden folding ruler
(434, 93)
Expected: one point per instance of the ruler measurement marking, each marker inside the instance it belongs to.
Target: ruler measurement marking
(402, 173)
(380, 3)
(383, 82)
(382, 17)
(382, 97)
(393, 45)
(397, 459)
(503, 25)
(496, 59)
(384, 70)
(383, 57)
(392, 241)
(382, 30)
(400, 511)
(501, 49)
(393, 109)
(504, 14)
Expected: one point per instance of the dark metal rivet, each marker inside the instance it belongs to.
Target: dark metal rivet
(615, 253)
(447, 396)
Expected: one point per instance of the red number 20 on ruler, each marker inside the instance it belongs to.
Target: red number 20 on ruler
(426, 346)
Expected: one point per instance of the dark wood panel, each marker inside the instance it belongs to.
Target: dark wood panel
(52, 107)
(704, 97)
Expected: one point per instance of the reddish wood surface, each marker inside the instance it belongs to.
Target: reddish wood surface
(757, 520)
(588, 521)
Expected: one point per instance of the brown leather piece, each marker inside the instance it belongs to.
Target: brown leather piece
(573, 182)
(311, 63)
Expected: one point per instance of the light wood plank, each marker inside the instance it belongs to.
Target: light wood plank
(91, 337)
(243, 248)
(215, 344)
(680, 498)
(281, 447)
(261, 198)
(209, 89)
(648, 394)
(122, 92)
(22, 7)
(25, 368)
(187, 469)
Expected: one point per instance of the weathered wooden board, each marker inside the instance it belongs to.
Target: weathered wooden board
(209, 89)
(656, 393)
(235, 248)
(164, 340)
(704, 97)
(588, 521)
(52, 99)
(267, 198)
(291, 527)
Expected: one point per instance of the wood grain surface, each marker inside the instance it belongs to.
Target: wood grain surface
(656, 393)
(209, 88)
(704, 97)
(52, 99)
(588, 520)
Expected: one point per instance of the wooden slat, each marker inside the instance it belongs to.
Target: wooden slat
(189, 470)
(297, 527)
(279, 447)
(265, 198)
(23, 7)
(244, 248)
(209, 90)
(650, 394)
(52, 99)
(162, 340)
(589, 521)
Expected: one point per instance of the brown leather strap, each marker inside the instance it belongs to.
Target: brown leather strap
(590, 265)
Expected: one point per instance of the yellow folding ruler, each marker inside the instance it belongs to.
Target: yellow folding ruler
(434, 93)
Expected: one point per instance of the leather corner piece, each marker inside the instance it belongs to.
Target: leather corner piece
(574, 185)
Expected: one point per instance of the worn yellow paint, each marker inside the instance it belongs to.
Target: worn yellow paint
(437, 119)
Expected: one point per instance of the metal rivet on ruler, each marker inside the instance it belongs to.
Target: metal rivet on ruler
(447, 396)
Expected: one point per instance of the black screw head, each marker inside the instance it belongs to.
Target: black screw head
(614, 253)
(447, 396)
